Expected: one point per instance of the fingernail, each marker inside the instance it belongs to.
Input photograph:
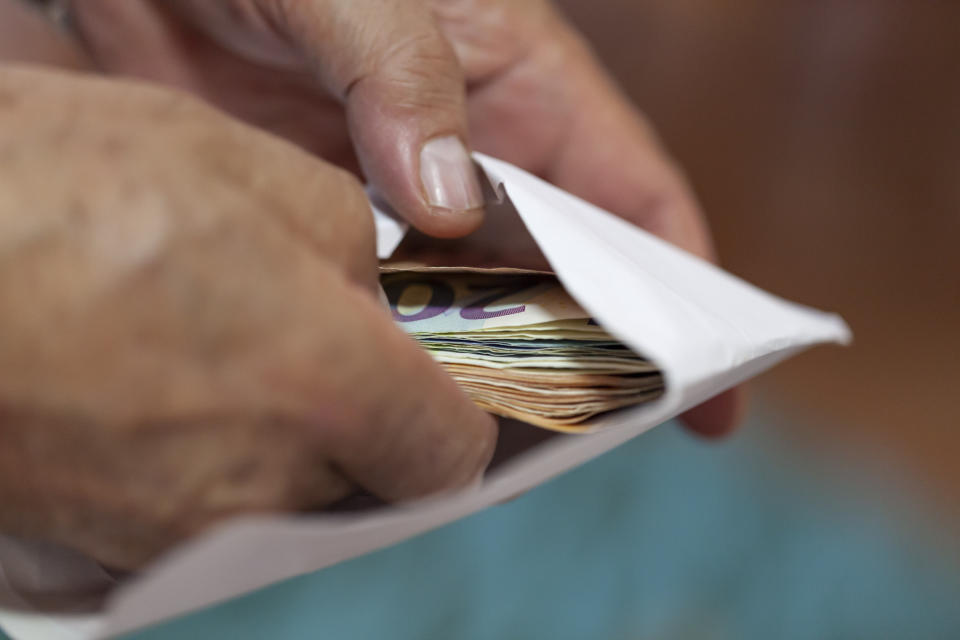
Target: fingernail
(448, 176)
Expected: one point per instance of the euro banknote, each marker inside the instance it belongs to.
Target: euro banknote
(519, 345)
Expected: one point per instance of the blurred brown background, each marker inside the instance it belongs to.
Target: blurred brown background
(823, 138)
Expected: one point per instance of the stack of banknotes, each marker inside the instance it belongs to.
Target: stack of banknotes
(518, 344)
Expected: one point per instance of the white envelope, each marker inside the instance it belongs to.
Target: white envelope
(706, 329)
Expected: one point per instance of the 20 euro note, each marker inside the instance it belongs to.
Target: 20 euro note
(518, 344)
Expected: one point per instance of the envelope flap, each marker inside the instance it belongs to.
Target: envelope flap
(692, 318)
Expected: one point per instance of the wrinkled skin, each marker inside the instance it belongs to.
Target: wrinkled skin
(189, 328)
(365, 84)
(188, 323)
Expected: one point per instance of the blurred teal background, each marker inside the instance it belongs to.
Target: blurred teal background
(666, 537)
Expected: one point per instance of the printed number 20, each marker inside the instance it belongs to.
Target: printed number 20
(442, 298)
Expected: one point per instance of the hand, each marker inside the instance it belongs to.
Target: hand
(189, 329)
(393, 76)
(26, 35)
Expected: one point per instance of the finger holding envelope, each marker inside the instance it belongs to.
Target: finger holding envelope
(399, 81)
(421, 82)
(190, 328)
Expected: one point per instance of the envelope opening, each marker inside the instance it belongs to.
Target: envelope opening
(519, 345)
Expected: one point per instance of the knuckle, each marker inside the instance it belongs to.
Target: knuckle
(419, 71)
(353, 190)
(462, 445)
(327, 208)
(356, 229)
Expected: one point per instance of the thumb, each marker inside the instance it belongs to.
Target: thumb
(405, 95)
